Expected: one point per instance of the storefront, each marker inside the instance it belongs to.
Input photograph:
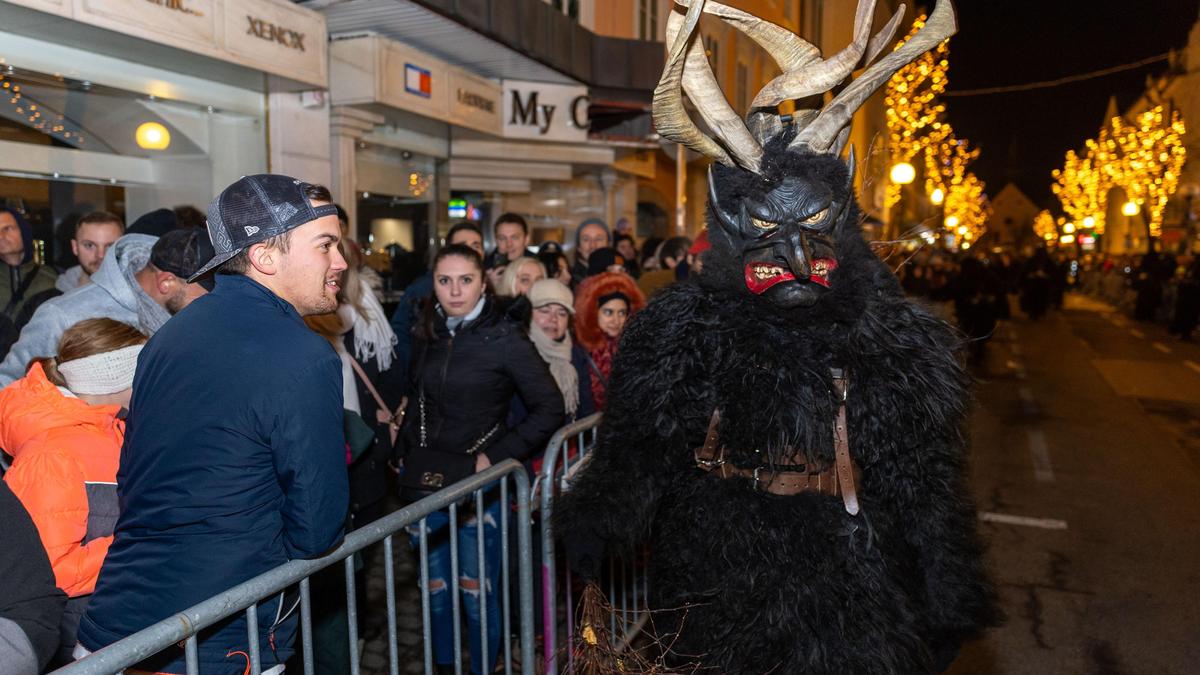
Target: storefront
(422, 143)
(130, 106)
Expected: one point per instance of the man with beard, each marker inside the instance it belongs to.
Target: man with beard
(786, 433)
(142, 282)
(234, 456)
(94, 234)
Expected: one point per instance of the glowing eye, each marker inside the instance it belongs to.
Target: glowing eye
(816, 217)
(763, 225)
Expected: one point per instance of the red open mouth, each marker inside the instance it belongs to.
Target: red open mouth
(761, 276)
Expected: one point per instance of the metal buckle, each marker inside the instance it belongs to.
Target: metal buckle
(432, 479)
(758, 482)
(707, 464)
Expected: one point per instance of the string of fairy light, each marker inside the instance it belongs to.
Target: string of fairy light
(1142, 157)
(919, 134)
(34, 114)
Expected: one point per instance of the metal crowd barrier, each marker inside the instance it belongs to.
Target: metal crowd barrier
(627, 586)
(245, 597)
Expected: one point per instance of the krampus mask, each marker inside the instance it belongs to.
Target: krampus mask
(776, 203)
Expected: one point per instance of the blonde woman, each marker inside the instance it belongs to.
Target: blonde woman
(520, 276)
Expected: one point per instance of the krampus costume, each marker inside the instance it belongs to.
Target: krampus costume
(786, 432)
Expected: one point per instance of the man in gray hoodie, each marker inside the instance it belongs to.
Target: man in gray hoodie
(142, 282)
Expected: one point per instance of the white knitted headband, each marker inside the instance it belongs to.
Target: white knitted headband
(104, 373)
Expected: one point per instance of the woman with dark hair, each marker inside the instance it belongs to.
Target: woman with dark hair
(465, 232)
(602, 306)
(471, 356)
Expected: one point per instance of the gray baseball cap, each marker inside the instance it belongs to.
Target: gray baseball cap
(256, 208)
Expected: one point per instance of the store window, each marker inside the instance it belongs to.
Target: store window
(140, 152)
(647, 19)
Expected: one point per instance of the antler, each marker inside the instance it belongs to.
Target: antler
(820, 135)
(687, 69)
(820, 78)
(788, 50)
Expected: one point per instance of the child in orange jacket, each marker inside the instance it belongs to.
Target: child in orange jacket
(63, 423)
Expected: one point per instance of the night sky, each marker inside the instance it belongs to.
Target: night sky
(1024, 135)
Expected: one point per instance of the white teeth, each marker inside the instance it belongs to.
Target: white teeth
(767, 272)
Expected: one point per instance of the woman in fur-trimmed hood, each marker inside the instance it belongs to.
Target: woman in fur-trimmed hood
(786, 434)
(603, 305)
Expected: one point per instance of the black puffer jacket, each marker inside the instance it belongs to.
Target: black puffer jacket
(468, 381)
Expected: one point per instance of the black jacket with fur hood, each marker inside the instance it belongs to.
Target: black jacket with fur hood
(757, 583)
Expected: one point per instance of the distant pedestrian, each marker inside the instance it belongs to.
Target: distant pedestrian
(1187, 303)
(234, 460)
(672, 259)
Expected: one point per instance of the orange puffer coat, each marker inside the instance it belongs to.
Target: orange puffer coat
(65, 457)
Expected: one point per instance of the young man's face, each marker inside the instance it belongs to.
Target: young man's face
(91, 242)
(310, 273)
(11, 242)
(511, 240)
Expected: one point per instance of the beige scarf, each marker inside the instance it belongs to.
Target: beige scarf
(557, 355)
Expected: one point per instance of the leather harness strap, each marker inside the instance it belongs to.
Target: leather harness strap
(797, 477)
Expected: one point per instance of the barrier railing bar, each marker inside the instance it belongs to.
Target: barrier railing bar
(559, 445)
(306, 625)
(506, 601)
(351, 614)
(481, 569)
(252, 639)
(191, 657)
(389, 579)
(184, 625)
(454, 588)
(426, 630)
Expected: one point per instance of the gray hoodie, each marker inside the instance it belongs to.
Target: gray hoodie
(114, 293)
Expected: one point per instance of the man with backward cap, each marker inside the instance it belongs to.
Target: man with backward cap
(234, 459)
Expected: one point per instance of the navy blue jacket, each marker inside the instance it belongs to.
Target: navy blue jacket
(234, 463)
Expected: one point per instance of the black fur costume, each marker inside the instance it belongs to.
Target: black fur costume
(756, 583)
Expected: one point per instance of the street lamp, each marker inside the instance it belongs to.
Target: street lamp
(1089, 222)
(1069, 228)
(903, 173)
(951, 222)
(937, 196)
(1129, 208)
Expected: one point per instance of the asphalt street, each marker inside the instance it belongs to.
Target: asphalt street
(1086, 472)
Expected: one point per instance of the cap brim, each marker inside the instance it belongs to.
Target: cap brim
(209, 266)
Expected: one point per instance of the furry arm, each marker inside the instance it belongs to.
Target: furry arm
(641, 438)
(919, 476)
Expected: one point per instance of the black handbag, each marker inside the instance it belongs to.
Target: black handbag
(426, 470)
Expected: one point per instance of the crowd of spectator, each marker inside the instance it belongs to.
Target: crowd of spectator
(194, 403)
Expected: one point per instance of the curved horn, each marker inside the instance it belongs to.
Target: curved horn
(820, 78)
(670, 117)
(819, 135)
(788, 50)
(706, 95)
(884, 37)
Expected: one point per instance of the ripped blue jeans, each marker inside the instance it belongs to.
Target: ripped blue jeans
(441, 611)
